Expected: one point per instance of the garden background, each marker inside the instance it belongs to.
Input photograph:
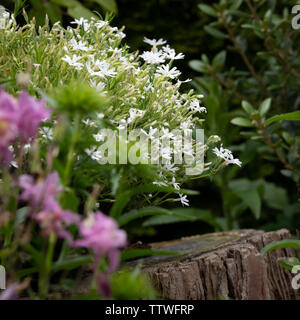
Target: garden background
(243, 56)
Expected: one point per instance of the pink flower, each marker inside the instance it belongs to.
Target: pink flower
(18, 119)
(8, 119)
(11, 293)
(40, 193)
(44, 207)
(54, 219)
(31, 114)
(101, 234)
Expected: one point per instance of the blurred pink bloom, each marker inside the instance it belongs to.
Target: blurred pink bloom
(8, 119)
(31, 114)
(103, 285)
(54, 219)
(11, 293)
(42, 193)
(19, 119)
(101, 234)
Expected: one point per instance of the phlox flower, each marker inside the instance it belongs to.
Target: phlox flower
(153, 57)
(73, 61)
(227, 155)
(165, 71)
(154, 42)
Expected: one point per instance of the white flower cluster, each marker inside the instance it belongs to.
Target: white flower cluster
(143, 90)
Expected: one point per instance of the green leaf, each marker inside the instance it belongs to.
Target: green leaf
(292, 116)
(69, 201)
(141, 253)
(276, 197)
(184, 215)
(147, 211)
(124, 197)
(109, 5)
(198, 65)
(265, 107)
(71, 263)
(220, 59)
(208, 10)
(79, 11)
(242, 122)
(288, 243)
(288, 263)
(215, 32)
(236, 4)
(247, 107)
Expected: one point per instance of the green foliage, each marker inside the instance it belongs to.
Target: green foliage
(253, 82)
(58, 9)
(132, 286)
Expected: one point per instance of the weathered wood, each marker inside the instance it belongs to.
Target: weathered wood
(222, 265)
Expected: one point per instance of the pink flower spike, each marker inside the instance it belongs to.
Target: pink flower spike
(31, 114)
(101, 234)
(41, 193)
(8, 119)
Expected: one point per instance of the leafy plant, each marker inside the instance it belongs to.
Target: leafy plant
(58, 9)
(257, 69)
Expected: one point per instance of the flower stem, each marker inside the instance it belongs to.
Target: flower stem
(46, 268)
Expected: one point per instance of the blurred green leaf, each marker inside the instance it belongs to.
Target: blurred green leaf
(265, 107)
(242, 122)
(288, 243)
(215, 32)
(288, 263)
(219, 60)
(147, 211)
(292, 116)
(208, 10)
(247, 107)
(109, 5)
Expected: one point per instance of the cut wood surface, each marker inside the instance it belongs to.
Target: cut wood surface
(220, 266)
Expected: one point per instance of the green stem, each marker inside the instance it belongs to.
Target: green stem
(75, 131)
(46, 268)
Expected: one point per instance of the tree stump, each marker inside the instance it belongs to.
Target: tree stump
(220, 266)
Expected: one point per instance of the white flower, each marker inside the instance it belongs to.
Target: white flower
(153, 57)
(81, 45)
(99, 86)
(98, 137)
(171, 54)
(94, 154)
(175, 184)
(103, 67)
(227, 155)
(171, 168)
(47, 133)
(160, 183)
(88, 122)
(166, 153)
(195, 106)
(100, 24)
(82, 22)
(73, 61)
(155, 42)
(165, 71)
(183, 199)
(135, 113)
